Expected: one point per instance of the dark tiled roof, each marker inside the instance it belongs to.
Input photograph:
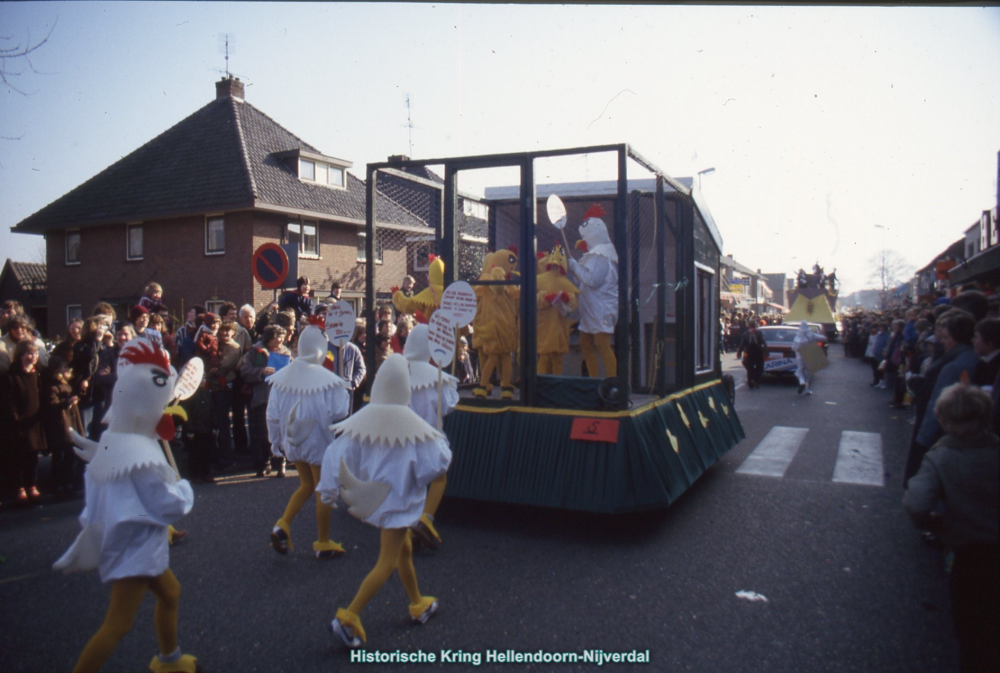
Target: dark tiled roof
(221, 157)
(195, 165)
(30, 276)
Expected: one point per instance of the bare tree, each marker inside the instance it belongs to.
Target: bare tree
(15, 59)
(888, 269)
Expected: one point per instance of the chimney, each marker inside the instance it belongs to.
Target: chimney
(230, 87)
(398, 158)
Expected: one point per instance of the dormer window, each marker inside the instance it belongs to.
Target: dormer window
(307, 170)
(316, 168)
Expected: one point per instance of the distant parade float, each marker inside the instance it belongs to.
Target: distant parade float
(814, 299)
(612, 288)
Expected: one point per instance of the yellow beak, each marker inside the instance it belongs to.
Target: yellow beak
(176, 410)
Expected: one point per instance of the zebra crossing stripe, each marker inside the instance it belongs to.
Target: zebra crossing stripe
(774, 453)
(859, 459)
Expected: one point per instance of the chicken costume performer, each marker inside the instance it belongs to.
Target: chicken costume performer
(802, 373)
(424, 402)
(305, 399)
(424, 303)
(132, 495)
(597, 275)
(495, 333)
(380, 464)
(557, 299)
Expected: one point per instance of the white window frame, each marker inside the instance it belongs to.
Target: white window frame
(79, 246)
(208, 221)
(342, 172)
(73, 311)
(302, 164)
(129, 228)
(214, 305)
(302, 224)
(711, 325)
(379, 249)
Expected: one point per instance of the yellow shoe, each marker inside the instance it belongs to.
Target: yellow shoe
(426, 533)
(479, 392)
(328, 549)
(424, 610)
(186, 664)
(506, 393)
(281, 538)
(347, 627)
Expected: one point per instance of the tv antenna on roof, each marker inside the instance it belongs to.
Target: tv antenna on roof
(409, 123)
(227, 44)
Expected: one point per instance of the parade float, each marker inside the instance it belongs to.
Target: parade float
(814, 299)
(612, 286)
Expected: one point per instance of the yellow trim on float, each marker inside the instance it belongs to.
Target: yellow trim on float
(630, 413)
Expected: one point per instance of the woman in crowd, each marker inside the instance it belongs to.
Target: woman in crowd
(64, 348)
(20, 328)
(20, 405)
(86, 361)
(139, 317)
(358, 339)
(255, 370)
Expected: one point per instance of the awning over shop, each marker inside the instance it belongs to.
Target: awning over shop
(783, 309)
(983, 268)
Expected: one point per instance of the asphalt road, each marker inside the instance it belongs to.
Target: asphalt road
(849, 585)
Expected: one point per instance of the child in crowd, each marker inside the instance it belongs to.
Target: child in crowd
(408, 283)
(220, 379)
(152, 298)
(62, 414)
(962, 471)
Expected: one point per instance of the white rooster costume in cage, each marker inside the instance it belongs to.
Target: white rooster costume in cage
(380, 464)
(306, 398)
(424, 402)
(597, 277)
(133, 494)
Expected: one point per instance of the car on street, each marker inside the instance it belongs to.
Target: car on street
(780, 357)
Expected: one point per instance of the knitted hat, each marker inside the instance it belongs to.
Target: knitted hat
(136, 311)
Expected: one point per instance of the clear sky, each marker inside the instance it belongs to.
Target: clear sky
(821, 122)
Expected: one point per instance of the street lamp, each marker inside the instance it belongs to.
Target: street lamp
(707, 171)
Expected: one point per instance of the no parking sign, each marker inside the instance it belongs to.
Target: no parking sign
(270, 266)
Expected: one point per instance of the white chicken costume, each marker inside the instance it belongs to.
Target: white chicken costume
(380, 464)
(597, 277)
(424, 402)
(132, 496)
(305, 399)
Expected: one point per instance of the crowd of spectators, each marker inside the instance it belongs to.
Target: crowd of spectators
(941, 362)
(48, 389)
(735, 323)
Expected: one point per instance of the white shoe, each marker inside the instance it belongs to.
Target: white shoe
(345, 633)
(809, 392)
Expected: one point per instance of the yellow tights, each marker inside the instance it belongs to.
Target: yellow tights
(495, 361)
(126, 597)
(603, 342)
(434, 494)
(308, 478)
(551, 363)
(395, 553)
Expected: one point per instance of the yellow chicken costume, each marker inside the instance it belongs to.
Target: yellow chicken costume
(495, 328)
(557, 299)
(424, 303)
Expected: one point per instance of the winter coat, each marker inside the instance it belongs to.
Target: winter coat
(21, 409)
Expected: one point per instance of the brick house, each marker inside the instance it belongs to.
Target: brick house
(24, 282)
(188, 208)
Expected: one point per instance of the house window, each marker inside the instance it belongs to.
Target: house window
(73, 312)
(133, 242)
(306, 235)
(214, 306)
(362, 253)
(72, 247)
(215, 236)
(307, 169)
(335, 176)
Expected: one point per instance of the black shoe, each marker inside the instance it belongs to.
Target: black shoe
(802, 387)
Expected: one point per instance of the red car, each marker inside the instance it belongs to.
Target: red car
(780, 358)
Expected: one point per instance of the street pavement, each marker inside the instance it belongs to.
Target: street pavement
(849, 584)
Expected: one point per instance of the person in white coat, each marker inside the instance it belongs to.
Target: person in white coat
(803, 337)
(424, 402)
(305, 399)
(132, 496)
(597, 277)
(380, 464)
